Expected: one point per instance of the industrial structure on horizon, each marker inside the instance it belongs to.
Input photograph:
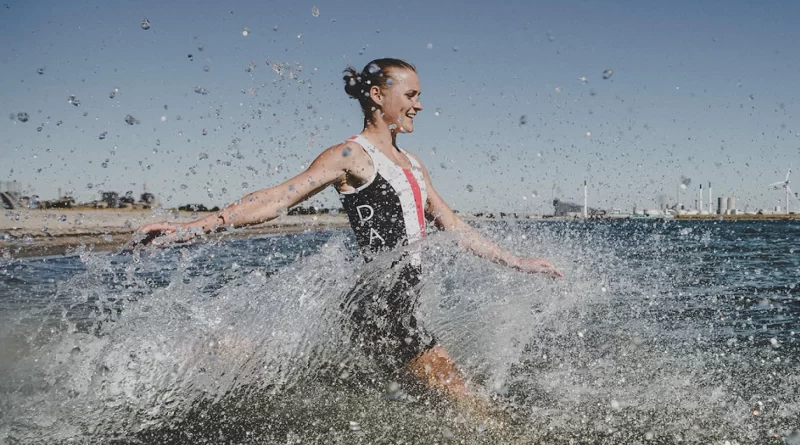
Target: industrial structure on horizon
(725, 205)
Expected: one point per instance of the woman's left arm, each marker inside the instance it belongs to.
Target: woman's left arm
(445, 219)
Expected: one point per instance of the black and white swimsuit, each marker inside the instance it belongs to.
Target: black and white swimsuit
(385, 213)
(388, 210)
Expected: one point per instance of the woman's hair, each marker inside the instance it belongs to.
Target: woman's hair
(376, 73)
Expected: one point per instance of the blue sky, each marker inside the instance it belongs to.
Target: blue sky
(707, 91)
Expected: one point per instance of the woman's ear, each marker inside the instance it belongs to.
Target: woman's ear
(376, 94)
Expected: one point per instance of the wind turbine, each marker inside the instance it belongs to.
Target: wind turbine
(784, 185)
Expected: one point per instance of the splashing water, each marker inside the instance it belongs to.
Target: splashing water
(657, 333)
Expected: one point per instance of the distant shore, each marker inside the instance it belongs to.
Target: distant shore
(27, 233)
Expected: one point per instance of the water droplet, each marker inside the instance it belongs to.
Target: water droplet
(59, 123)
(112, 94)
(203, 155)
(62, 218)
(583, 79)
(39, 128)
(437, 112)
(275, 28)
(130, 120)
(392, 126)
(315, 11)
(200, 90)
(245, 31)
(89, 186)
(333, 212)
(470, 188)
(184, 186)
(102, 135)
(588, 133)
(73, 100)
(355, 426)
(23, 117)
(158, 142)
(205, 132)
(607, 74)
(206, 68)
(191, 58)
(245, 185)
(194, 215)
(163, 118)
(40, 71)
(430, 45)
(145, 24)
(523, 119)
(105, 164)
(201, 47)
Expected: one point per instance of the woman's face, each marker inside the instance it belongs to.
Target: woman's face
(400, 100)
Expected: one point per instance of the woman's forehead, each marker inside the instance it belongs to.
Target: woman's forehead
(405, 77)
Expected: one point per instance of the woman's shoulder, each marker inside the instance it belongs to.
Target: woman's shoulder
(343, 149)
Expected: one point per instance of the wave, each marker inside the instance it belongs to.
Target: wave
(247, 341)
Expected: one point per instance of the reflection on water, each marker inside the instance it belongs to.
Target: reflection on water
(675, 332)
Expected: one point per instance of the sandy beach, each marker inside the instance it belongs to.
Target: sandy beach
(25, 233)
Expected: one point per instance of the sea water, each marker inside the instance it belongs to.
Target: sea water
(660, 332)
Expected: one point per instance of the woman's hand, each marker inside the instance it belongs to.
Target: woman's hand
(162, 233)
(537, 265)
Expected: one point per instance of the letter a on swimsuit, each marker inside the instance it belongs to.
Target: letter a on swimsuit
(387, 211)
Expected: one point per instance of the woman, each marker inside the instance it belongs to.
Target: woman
(387, 194)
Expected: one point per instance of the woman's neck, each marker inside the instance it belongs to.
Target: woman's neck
(378, 132)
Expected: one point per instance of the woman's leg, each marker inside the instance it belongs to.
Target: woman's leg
(438, 370)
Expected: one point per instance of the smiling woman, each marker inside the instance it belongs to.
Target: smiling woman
(387, 195)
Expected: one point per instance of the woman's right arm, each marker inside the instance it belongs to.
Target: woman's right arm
(264, 205)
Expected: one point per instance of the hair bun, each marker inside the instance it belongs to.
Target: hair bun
(352, 83)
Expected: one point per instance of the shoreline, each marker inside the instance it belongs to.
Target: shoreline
(33, 233)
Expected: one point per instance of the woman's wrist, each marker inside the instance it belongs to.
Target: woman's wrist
(510, 260)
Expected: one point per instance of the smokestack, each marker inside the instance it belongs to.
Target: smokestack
(585, 200)
(710, 201)
(700, 207)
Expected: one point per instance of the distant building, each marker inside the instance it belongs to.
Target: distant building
(564, 208)
(10, 196)
(111, 199)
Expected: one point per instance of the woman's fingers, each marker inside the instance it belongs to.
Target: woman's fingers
(152, 233)
(541, 266)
